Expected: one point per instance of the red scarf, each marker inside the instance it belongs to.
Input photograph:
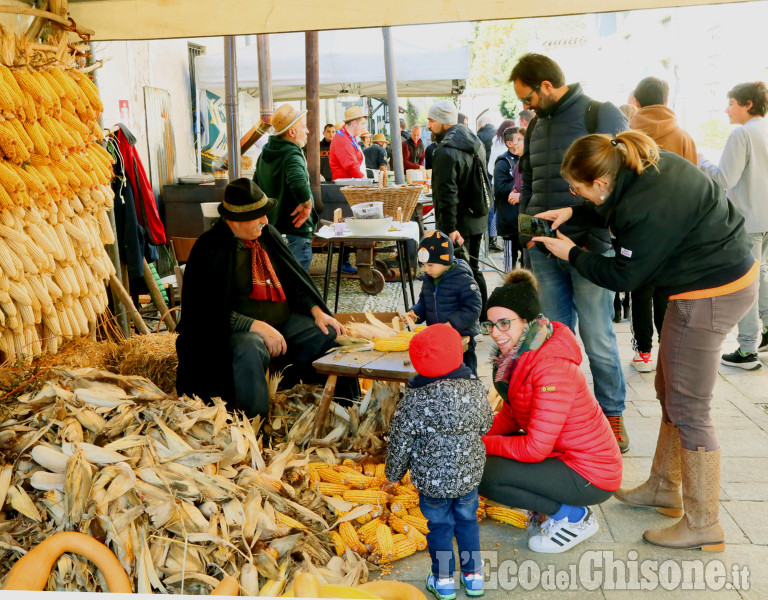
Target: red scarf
(266, 285)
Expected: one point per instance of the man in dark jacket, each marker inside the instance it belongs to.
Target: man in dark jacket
(506, 196)
(453, 193)
(281, 173)
(247, 303)
(566, 296)
(325, 151)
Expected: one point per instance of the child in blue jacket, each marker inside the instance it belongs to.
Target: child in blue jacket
(449, 293)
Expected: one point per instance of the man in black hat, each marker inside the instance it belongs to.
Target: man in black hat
(247, 303)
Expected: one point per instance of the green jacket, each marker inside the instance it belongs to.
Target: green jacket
(281, 173)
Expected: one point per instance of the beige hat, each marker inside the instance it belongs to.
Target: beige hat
(285, 117)
(354, 112)
(380, 137)
(365, 133)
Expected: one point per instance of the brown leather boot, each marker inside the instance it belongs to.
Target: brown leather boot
(700, 526)
(662, 490)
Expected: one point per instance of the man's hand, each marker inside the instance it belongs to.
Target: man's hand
(273, 339)
(301, 214)
(456, 238)
(560, 247)
(558, 216)
(514, 197)
(324, 321)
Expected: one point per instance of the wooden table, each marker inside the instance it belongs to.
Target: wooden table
(382, 366)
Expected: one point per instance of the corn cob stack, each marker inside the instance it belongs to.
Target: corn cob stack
(395, 526)
(54, 198)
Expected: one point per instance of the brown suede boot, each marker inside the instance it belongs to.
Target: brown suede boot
(662, 490)
(700, 526)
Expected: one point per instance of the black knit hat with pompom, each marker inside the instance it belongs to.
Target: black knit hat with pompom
(519, 293)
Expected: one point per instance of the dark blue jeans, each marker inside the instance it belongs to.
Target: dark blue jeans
(449, 517)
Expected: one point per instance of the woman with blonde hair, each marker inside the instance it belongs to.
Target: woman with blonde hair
(675, 229)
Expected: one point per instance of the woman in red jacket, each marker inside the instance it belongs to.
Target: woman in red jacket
(551, 449)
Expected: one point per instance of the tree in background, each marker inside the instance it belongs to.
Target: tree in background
(496, 46)
(713, 133)
(411, 115)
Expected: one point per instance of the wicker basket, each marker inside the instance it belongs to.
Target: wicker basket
(404, 196)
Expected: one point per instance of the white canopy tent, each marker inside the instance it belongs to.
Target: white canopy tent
(350, 63)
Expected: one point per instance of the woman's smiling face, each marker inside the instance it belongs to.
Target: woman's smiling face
(506, 340)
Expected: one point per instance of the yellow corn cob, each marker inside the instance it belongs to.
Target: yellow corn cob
(102, 152)
(37, 160)
(363, 519)
(34, 185)
(407, 501)
(8, 141)
(406, 490)
(29, 108)
(507, 515)
(338, 543)
(369, 466)
(73, 123)
(6, 202)
(367, 496)
(66, 139)
(331, 476)
(7, 103)
(70, 88)
(331, 489)
(55, 84)
(384, 541)
(349, 535)
(11, 87)
(397, 524)
(49, 126)
(28, 84)
(397, 509)
(480, 514)
(416, 512)
(289, 521)
(348, 463)
(50, 97)
(56, 154)
(420, 328)
(380, 470)
(398, 537)
(418, 537)
(89, 89)
(314, 466)
(418, 523)
(395, 344)
(21, 134)
(404, 547)
(34, 131)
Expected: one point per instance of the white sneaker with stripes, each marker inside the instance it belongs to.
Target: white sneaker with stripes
(559, 536)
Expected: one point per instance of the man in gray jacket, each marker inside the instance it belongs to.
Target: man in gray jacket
(564, 114)
(743, 173)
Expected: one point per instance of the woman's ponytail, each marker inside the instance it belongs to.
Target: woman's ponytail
(598, 155)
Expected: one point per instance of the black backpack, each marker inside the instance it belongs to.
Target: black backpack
(479, 205)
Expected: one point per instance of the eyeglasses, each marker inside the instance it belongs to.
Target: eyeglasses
(501, 325)
(574, 190)
(527, 99)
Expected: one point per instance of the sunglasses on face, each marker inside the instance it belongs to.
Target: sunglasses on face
(527, 99)
(501, 325)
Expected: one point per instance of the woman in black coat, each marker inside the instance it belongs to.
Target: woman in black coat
(506, 192)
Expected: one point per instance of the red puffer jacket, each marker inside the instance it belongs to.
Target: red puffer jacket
(346, 157)
(549, 399)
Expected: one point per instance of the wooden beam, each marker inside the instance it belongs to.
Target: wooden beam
(313, 116)
(117, 287)
(157, 297)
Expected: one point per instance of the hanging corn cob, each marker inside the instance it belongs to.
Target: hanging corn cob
(54, 198)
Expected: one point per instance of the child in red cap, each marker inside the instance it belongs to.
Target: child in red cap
(437, 433)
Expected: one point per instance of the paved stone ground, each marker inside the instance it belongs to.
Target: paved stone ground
(740, 412)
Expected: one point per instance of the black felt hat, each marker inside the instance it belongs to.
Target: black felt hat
(244, 201)
(519, 294)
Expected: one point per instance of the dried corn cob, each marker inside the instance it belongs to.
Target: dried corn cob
(338, 543)
(349, 535)
(367, 496)
(507, 515)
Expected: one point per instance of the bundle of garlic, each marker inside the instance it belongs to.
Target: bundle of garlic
(54, 198)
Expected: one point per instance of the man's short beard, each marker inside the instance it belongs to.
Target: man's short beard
(546, 102)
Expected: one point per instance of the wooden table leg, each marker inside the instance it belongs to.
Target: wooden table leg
(328, 271)
(325, 404)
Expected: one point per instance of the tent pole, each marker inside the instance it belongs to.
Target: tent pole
(265, 78)
(394, 106)
(313, 116)
(230, 102)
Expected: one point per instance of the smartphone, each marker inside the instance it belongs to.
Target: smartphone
(533, 226)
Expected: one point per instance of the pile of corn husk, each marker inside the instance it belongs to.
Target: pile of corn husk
(181, 491)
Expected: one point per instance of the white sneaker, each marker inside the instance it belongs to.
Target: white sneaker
(643, 362)
(559, 536)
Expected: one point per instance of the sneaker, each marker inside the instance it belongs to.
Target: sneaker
(443, 589)
(763, 341)
(494, 247)
(642, 362)
(562, 535)
(473, 584)
(619, 432)
(742, 360)
(348, 269)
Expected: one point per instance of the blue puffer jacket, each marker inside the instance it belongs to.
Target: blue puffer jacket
(455, 300)
(543, 187)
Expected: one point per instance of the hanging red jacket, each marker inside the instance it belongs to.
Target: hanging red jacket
(144, 198)
(549, 399)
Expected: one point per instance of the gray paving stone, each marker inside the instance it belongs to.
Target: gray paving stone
(751, 518)
(752, 490)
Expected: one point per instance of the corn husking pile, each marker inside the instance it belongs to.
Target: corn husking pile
(54, 198)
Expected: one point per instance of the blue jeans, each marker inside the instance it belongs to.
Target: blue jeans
(301, 248)
(449, 517)
(571, 299)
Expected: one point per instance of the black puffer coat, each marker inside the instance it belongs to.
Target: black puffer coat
(503, 183)
(543, 186)
(451, 177)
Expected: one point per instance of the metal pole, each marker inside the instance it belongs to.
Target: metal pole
(394, 106)
(230, 102)
(265, 78)
(313, 116)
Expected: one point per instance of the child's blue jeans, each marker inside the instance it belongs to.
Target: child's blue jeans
(449, 517)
